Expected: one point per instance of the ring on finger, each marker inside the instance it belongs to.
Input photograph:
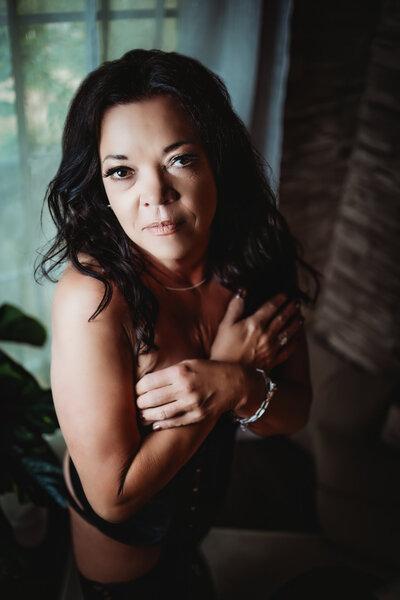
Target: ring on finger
(282, 339)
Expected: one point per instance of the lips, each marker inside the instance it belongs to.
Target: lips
(163, 227)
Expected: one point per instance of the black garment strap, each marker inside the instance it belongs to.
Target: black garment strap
(147, 527)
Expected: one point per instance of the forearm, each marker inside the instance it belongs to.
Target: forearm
(216, 388)
(286, 413)
(159, 458)
(288, 409)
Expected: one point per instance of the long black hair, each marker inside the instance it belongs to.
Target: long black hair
(250, 247)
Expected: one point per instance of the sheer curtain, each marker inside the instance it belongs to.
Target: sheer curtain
(48, 46)
(247, 44)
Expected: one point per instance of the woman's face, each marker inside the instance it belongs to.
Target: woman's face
(158, 180)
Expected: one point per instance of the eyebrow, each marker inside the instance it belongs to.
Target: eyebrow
(167, 149)
(176, 145)
(115, 157)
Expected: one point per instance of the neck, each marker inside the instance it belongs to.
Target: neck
(176, 276)
(186, 288)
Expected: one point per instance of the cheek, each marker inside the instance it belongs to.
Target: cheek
(126, 215)
(113, 194)
(120, 200)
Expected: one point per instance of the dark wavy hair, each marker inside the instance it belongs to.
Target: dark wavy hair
(250, 247)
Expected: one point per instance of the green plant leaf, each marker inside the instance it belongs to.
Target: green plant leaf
(26, 410)
(32, 470)
(43, 481)
(28, 465)
(15, 326)
(10, 367)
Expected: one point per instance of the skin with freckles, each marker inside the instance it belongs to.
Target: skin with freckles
(161, 188)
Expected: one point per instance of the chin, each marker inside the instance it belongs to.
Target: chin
(169, 256)
(164, 254)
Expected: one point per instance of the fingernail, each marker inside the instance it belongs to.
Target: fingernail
(156, 427)
(298, 304)
(241, 293)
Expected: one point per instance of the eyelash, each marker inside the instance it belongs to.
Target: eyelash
(191, 158)
(113, 170)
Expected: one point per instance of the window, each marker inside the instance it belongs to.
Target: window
(46, 49)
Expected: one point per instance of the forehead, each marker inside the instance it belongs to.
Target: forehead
(159, 119)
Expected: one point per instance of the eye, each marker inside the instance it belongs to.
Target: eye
(183, 160)
(118, 173)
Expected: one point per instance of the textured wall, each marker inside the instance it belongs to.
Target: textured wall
(359, 314)
(341, 194)
(330, 47)
(340, 186)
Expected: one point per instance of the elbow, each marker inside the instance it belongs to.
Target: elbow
(115, 509)
(107, 511)
(118, 505)
(110, 501)
(125, 489)
(115, 514)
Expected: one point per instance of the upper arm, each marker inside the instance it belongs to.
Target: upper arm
(93, 386)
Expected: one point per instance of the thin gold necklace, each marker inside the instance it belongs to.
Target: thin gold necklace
(185, 289)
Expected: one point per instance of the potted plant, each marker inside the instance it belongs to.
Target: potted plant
(29, 467)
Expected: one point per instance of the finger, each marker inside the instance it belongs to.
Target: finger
(269, 308)
(284, 353)
(157, 397)
(285, 335)
(161, 378)
(283, 317)
(152, 381)
(162, 413)
(288, 341)
(294, 325)
(186, 419)
(234, 310)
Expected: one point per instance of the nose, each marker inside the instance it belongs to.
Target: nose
(154, 188)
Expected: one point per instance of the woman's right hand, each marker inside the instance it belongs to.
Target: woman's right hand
(265, 339)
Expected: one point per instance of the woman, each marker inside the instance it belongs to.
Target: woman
(178, 301)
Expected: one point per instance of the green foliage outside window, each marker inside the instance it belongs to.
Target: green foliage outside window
(51, 59)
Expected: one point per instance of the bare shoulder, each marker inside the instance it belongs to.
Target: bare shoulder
(77, 297)
(92, 380)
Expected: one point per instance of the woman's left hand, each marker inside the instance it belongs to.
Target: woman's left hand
(193, 390)
(264, 339)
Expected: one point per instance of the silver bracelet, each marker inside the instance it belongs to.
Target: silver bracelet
(270, 389)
